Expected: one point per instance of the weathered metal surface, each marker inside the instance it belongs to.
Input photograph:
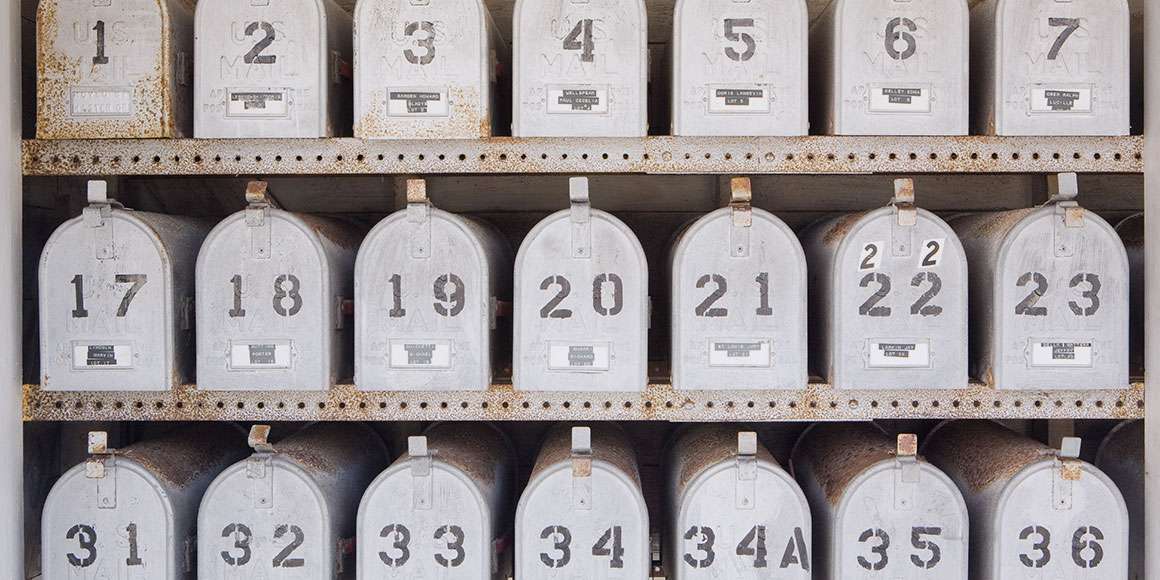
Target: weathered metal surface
(1046, 67)
(888, 67)
(1121, 457)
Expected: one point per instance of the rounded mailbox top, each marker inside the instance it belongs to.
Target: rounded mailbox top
(556, 225)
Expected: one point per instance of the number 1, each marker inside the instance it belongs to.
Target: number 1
(100, 30)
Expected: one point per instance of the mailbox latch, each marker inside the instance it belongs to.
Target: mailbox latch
(419, 214)
(906, 217)
(98, 216)
(421, 479)
(581, 468)
(581, 217)
(259, 467)
(740, 204)
(102, 468)
(258, 207)
(908, 474)
(746, 470)
(1064, 189)
(1065, 473)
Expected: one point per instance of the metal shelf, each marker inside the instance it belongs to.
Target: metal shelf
(652, 155)
(658, 403)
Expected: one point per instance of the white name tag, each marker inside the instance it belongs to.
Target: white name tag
(417, 102)
(101, 101)
(579, 356)
(98, 355)
(1061, 353)
(740, 353)
(899, 98)
(1060, 99)
(259, 354)
(894, 354)
(743, 98)
(578, 99)
(420, 354)
(257, 103)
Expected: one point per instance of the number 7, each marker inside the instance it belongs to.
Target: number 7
(1071, 24)
(137, 281)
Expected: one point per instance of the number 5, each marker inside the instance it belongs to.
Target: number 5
(744, 37)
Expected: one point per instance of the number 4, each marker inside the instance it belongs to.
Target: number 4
(581, 39)
(611, 535)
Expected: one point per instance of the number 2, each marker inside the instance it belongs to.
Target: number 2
(283, 559)
(255, 56)
(706, 308)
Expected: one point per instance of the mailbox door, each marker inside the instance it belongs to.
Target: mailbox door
(739, 68)
(433, 526)
(606, 539)
(119, 526)
(1064, 67)
(265, 307)
(739, 305)
(902, 68)
(424, 321)
(1062, 316)
(261, 517)
(581, 68)
(894, 524)
(901, 296)
(107, 308)
(747, 529)
(1050, 527)
(422, 70)
(581, 307)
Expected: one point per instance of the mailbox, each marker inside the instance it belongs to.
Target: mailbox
(441, 511)
(291, 505)
(1121, 457)
(116, 299)
(583, 514)
(891, 67)
(1035, 512)
(1049, 289)
(114, 69)
(888, 298)
(881, 511)
(581, 68)
(581, 303)
(424, 69)
(272, 287)
(740, 68)
(734, 511)
(1131, 230)
(276, 68)
(132, 513)
(739, 301)
(428, 284)
(1050, 67)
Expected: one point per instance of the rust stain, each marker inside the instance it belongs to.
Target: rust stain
(982, 452)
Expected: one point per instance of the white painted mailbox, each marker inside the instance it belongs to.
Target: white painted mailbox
(424, 69)
(116, 299)
(581, 68)
(132, 513)
(288, 511)
(881, 511)
(1051, 67)
(888, 298)
(739, 300)
(272, 68)
(740, 67)
(583, 514)
(441, 511)
(271, 292)
(734, 510)
(581, 303)
(428, 284)
(1050, 296)
(891, 67)
(1035, 512)
(110, 69)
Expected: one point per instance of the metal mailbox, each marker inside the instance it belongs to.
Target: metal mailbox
(888, 298)
(272, 288)
(289, 510)
(1131, 230)
(1051, 67)
(583, 514)
(593, 339)
(429, 284)
(114, 69)
(116, 299)
(581, 68)
(739, 301)
(1035, 512)
(276, 68)
(424, 69)
(734, 511)
(132, 513)
(740, 67)
(1121, 458)
(891, 67)
(880, 510)
(441, 511)
(1049, 286)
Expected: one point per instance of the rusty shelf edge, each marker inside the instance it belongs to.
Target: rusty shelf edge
(647, 155)
(660, 402)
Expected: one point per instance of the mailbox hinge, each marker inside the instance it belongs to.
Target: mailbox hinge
(581, 210)
(102, 468)
(98, 216)
(260, 468)
(421, 479)
(906, 477)
(581, 468)
(1067, 470)
(906, 217)
(1069, 216)
(258, 218)
(746, 496)
(419, 214)
(740, 204)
